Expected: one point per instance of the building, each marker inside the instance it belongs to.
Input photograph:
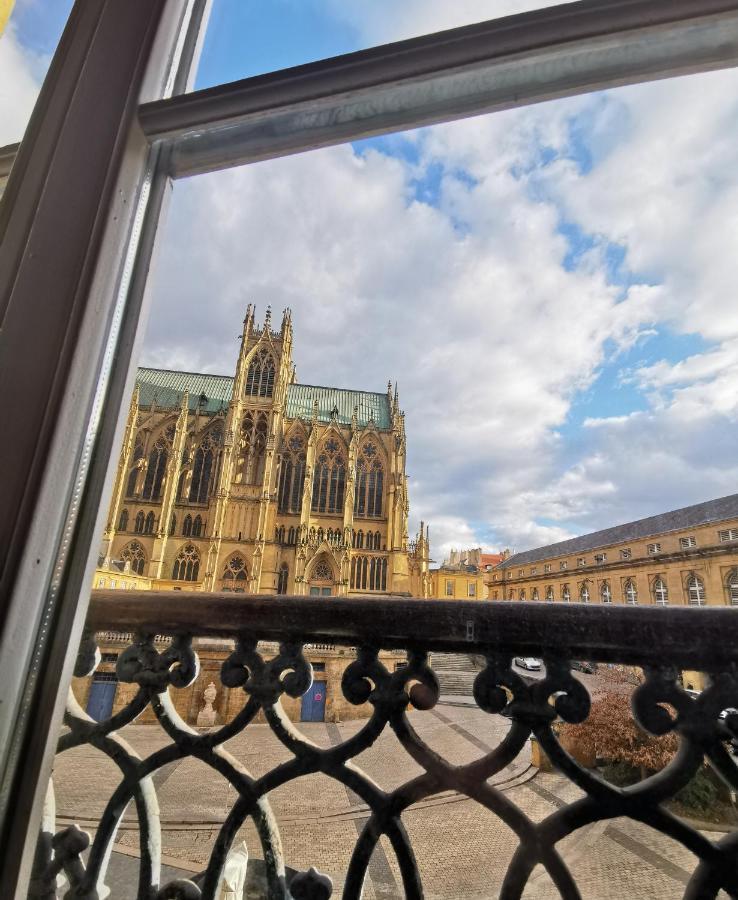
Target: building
(687, 556)
(256, 483)
(459, 581)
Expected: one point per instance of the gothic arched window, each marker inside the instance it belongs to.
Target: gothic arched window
(732, 585)
(584, 594)
(360, 539)
(549, 592)
(123, 521)
(605, 592)
(377, 540)
(566, 594)
(156, 470)
(369, 483)
(369, 573)
(197, 527)
(252, 449)
(134, 553)
(696, 590)
(292, 536)
(138, 526)
(235, 575)
(187, 564)
(660, 592)
(282, 580)
(329, 480)
(133, 474)
(630, 592)
(149, 524)
(206, 466)
(260, 377)
(187, 526)
(292, 476)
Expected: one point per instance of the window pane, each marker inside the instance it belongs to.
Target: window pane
(26, 48)
(250, 38)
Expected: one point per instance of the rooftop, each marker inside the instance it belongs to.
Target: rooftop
(164, 388)
(676, 520)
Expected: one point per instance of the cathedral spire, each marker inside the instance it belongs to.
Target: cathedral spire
(249, 318)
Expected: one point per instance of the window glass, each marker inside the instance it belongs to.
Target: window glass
(248, 38)
(26, 48)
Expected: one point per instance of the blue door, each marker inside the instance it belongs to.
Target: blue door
(313, 703)
(100, 701)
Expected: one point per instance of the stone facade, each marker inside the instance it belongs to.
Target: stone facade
(685, 557)
(256, 483)
(329, 663)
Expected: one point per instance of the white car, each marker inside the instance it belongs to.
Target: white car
(528, 662)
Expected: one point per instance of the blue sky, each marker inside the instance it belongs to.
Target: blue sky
(552, 286)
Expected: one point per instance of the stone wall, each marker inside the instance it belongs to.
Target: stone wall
(228, 702)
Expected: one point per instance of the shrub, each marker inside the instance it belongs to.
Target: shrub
(701, 792)
(621, 774)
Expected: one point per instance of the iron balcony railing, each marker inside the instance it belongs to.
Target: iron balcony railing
(659, 641)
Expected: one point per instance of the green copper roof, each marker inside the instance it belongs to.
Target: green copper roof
(164, 388)
(300, 399)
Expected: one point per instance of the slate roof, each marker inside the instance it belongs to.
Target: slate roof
(676, 520)
(165, 387)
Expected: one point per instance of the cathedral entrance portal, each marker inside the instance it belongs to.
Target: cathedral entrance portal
(321, 579)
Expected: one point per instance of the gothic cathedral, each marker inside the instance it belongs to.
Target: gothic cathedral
(256, 483)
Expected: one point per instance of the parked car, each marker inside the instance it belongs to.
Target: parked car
(582, 665)
(528, 662)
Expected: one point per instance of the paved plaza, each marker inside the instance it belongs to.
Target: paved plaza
(462, 849)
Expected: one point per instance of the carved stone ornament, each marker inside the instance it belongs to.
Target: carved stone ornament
(206, 716)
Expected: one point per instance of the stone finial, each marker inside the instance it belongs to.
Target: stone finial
(206, 716)
(268, 317)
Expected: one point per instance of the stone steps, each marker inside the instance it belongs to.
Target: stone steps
(455, 671)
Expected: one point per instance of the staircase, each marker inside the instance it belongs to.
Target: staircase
(456, 672)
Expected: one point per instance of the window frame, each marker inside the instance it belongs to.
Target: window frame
(121, 65)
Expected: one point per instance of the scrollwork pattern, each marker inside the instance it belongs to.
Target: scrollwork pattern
(534, 707)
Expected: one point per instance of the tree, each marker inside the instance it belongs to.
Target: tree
(611, 733)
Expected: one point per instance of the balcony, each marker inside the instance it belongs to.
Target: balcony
(660, 641)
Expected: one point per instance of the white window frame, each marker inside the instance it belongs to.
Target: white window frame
(686, 542)
(653, 549)
(113, 57)
(626, 553)
(606, 592)
(630, 592)
(728, 534)
(660, 591)
(696, 590)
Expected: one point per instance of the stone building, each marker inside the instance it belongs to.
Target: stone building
(685, 557)
(256, 483)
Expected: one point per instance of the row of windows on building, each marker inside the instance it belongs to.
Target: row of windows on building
(694, 590)
(367, 573)
(685, 543)
(329, 478)
(146, 524)
(471, 588)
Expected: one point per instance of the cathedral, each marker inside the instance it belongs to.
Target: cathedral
(256, 483)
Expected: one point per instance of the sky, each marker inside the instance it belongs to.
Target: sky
(553, 288)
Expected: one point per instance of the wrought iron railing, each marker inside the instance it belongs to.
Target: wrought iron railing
(659, 641)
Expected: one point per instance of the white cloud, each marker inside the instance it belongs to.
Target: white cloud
(19, 86)
(469, 305)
